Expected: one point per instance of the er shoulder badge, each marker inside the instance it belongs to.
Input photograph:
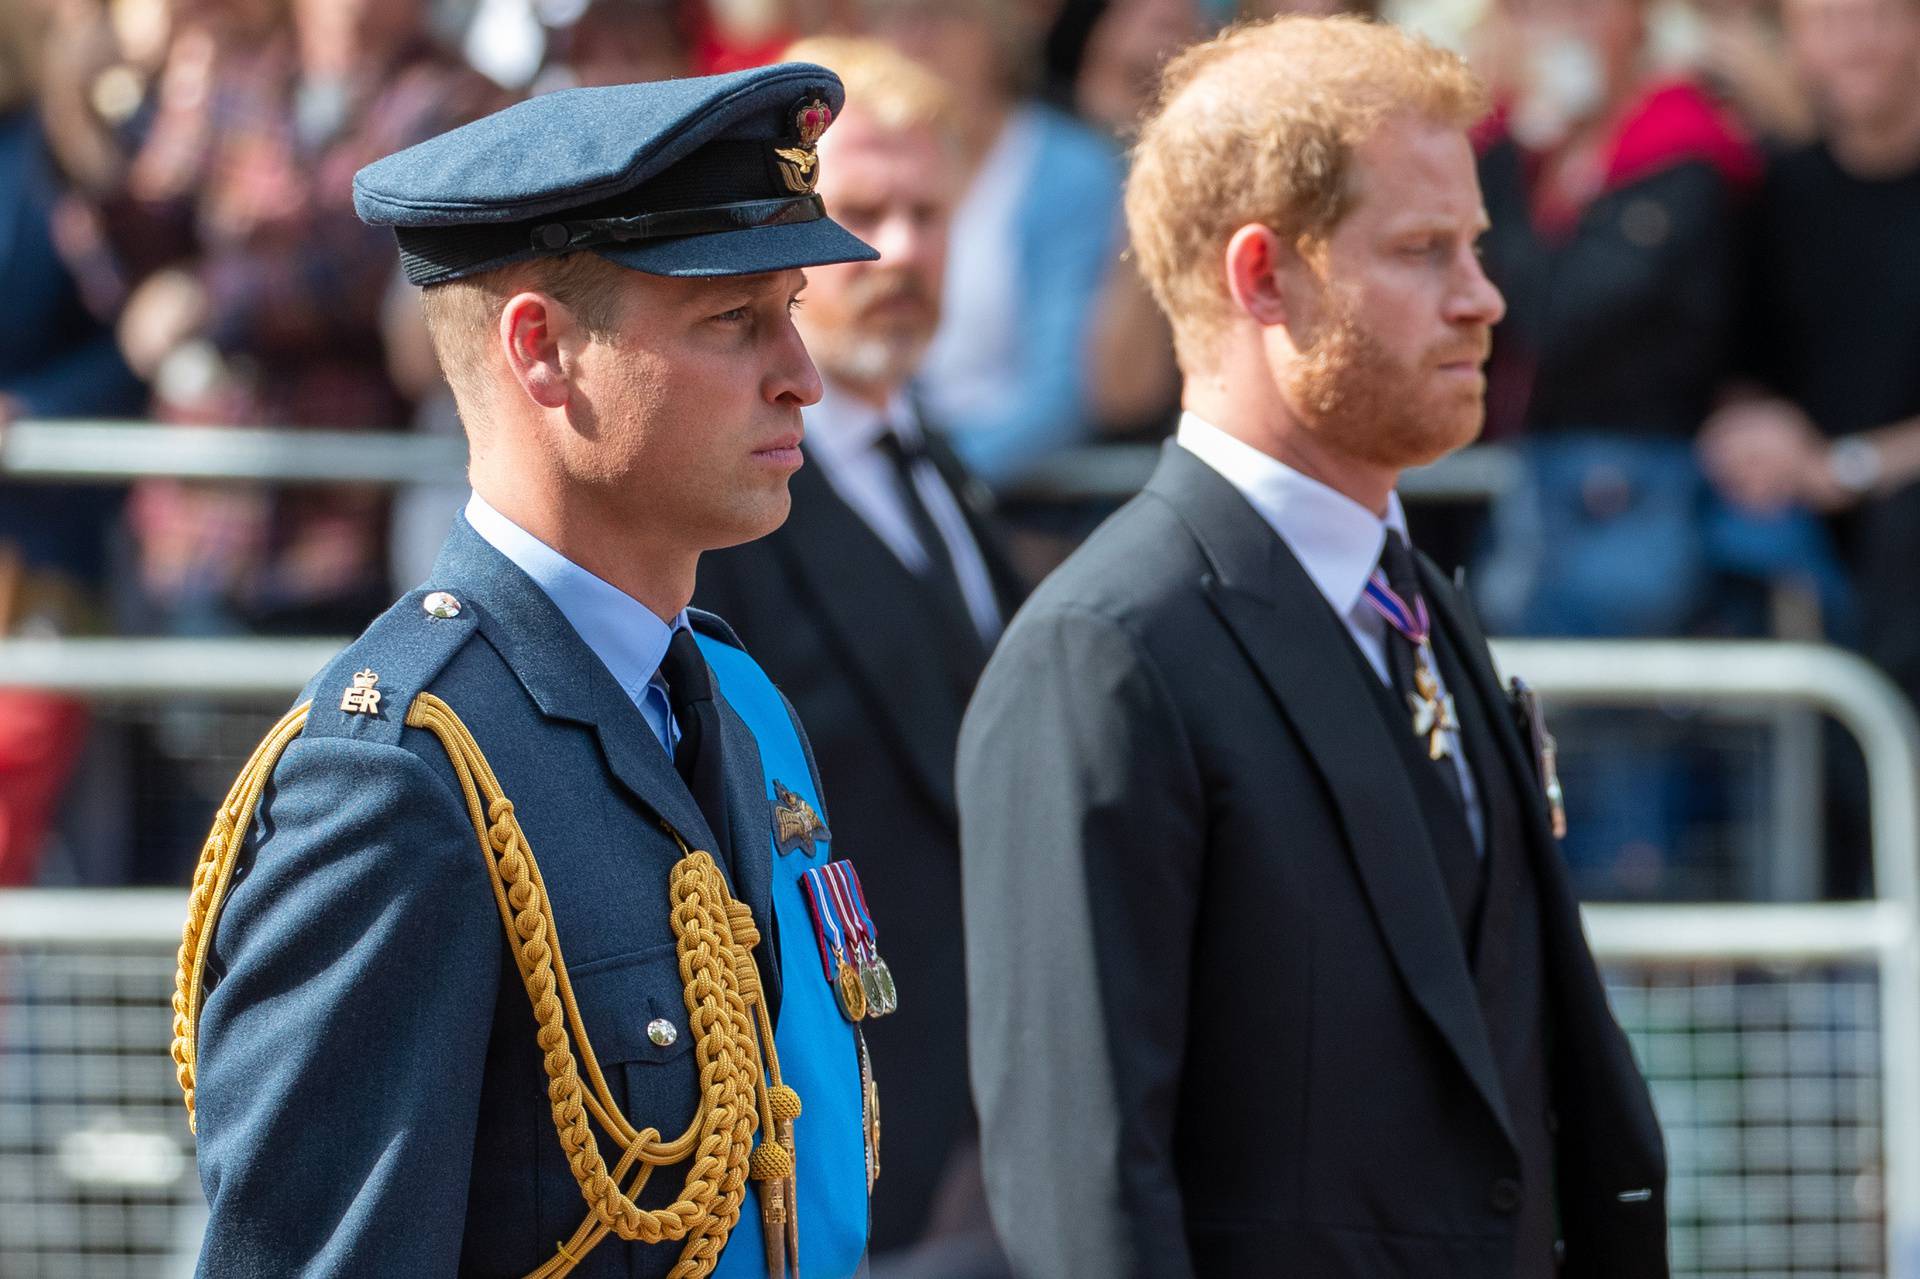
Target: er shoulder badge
(795, 824)
(800, 165)
(363, 698)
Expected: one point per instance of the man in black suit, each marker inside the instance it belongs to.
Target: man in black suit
(1273, 965)
(876, 604)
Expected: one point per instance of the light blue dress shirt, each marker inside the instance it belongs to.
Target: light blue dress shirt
(623, 633)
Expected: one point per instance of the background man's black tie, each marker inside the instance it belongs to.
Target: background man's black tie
(1396, 561)
(697, 757)
(940, 575)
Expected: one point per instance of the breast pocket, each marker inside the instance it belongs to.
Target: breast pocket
(635, 1013)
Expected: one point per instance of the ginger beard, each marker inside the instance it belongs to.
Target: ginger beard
(1349, 389)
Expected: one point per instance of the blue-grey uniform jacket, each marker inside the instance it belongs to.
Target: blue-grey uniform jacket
(371, 1099)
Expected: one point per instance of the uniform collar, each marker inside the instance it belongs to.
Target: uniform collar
(842, 426)
(1337, 540)
(626, 635)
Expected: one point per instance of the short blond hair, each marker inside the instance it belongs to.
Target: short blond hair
(884, 84)
(461, 315)
(1259, 125)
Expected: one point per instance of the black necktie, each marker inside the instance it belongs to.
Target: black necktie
(697, 757)
(1396, 561)
(940, 573)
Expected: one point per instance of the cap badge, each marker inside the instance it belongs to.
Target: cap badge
(363, 698)
(800, 165)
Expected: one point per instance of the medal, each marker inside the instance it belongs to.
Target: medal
(828, 933)
(882, 997)
(1433, 712)
(1546, 752)
(858, 944)
(852, 991)
(870, 1093)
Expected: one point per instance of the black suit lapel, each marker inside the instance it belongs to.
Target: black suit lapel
(1298, 647)
(850, 576)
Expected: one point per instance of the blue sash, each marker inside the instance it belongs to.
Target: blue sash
(818, 1056)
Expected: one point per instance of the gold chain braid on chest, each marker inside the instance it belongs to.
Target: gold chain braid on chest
(733, 1049)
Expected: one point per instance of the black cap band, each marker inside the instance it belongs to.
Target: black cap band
(741, 215)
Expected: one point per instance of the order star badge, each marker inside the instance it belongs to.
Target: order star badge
(795, 824)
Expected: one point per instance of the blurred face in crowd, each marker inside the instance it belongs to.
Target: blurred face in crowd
(339, 33)
(957, 42)
(623, 44)
(868, 323)
(1859, 57)
(1390, 319)
(1575, 57)
(1125, 50)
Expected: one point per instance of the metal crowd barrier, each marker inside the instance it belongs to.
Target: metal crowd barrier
(1782, 1041)
(90, 451)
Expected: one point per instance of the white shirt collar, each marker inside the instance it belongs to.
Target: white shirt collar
(842, 425)
(623, 633)
(1337, 540)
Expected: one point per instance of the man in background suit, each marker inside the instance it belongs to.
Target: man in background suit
(1273, 965)
(876, 605)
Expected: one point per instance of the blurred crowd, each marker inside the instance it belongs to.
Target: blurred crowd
(1705, 215)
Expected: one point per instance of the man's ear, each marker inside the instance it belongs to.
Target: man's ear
(539, 335)
(1256, 260)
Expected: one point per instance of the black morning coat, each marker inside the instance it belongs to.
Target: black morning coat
(880, 674)
(1223, 1019)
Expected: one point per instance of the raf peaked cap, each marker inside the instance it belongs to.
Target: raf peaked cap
(697, 177)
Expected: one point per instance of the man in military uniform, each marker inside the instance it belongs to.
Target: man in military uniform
(1256, 849)
(492, 966)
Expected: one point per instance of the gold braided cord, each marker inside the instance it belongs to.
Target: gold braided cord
(210, 878)
(727, 1016)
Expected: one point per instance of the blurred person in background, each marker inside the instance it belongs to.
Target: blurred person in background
(1741, 55)
(874, 608)
(253, 293)
(623, 42)
(1102, 59)
(1615, 195)
(1035, 238)
(1828, 419)
(59, 362)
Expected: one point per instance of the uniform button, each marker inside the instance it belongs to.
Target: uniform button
(441, 605)
(1504, 1195)
(661, 1031)
(1559, 1252)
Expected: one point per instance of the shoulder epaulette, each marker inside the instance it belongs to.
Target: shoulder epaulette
(365, 691)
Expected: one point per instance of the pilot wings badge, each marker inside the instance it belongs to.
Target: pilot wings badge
(800, 165)
(795, 824)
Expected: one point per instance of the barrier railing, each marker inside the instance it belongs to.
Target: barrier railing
(91, 451)
(1782, 1041)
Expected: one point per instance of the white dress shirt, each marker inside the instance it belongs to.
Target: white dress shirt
(843, 435)
(1337, 541)
(626, 635)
